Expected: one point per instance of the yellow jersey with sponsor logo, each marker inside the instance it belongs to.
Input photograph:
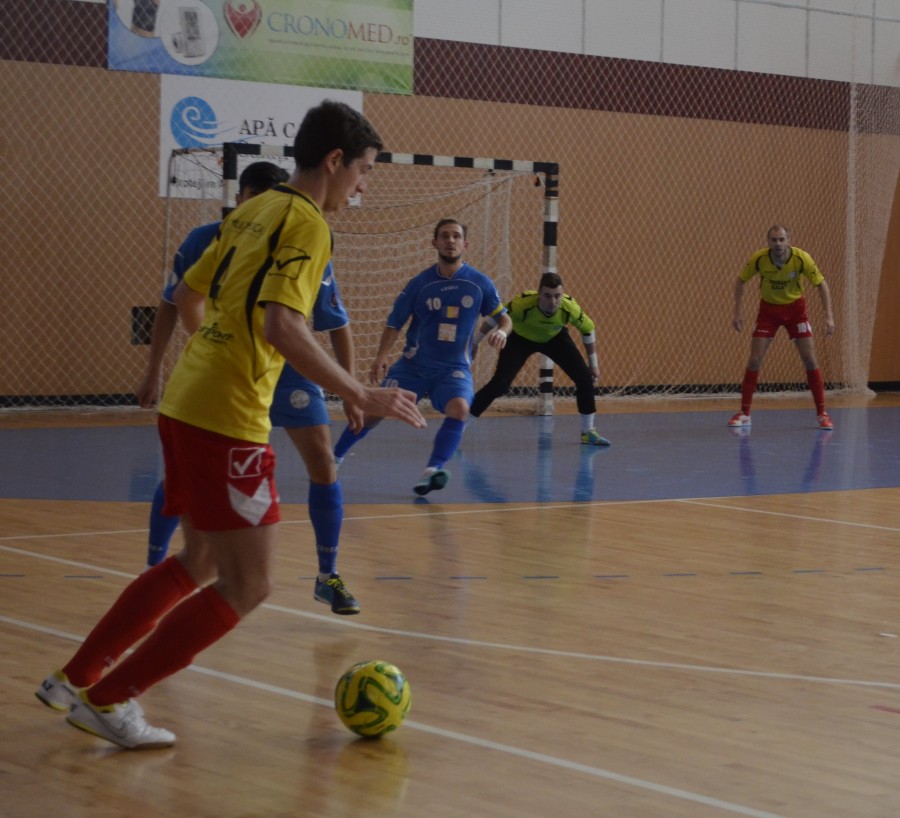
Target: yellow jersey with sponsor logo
(782, 285)
(274, 247)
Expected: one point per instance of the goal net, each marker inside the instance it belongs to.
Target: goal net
(385, 238)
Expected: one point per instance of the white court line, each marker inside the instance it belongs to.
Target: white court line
(591, 657)
(417, 512)
(427, 512)
(524, 649)
(827, 520)
(543, 758)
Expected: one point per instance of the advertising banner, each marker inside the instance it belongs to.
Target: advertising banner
(199, 112)
(366, 45)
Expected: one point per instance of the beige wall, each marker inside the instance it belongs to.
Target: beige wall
(640, 244)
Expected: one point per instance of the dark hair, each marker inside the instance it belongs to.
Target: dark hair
(329, 126)
(777, 227)
(551, 281)
(260, 176)
(442, 222)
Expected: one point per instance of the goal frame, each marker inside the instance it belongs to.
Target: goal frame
(549, 171)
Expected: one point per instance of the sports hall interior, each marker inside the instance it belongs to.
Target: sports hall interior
(697, 621)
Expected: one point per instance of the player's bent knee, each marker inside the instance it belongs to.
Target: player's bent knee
(247, 594)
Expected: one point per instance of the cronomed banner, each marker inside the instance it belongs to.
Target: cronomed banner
(365, 45)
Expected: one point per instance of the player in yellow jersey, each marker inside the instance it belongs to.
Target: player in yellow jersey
(781, 270)
(255, 286)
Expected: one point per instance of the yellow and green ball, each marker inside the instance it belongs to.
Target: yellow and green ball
(372, 698)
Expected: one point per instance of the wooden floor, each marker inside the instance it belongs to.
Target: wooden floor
(692, 658)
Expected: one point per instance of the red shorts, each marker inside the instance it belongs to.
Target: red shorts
(791, 316)
(221, 483)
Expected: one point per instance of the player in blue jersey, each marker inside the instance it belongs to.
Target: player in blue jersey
(298, 405)
(443, 304)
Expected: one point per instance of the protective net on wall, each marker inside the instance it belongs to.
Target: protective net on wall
(669, 178)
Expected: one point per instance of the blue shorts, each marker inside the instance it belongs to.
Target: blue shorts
(299, 405)
(440, 385)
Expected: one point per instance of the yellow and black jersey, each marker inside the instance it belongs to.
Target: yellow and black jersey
(274, 247)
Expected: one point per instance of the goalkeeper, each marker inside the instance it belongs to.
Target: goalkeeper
(539, 325)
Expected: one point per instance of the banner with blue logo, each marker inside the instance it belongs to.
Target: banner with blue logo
(199, 112)
(366, 45)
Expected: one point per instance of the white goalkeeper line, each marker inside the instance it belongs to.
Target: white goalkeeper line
(542, 758)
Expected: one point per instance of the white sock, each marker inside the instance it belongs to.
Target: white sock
(587, 423)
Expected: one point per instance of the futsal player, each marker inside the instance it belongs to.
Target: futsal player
(781, 270)
(256, 284)
(442, 305)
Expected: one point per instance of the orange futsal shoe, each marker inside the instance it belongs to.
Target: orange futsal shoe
(739, 420)
(825, 422)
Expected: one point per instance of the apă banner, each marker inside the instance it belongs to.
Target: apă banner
(365, 45)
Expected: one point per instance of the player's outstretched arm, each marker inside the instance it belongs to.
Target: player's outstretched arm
(287, 331)
(344, 353)
(497, 336)
(380, 364)
(825, 295)
(393, 403)
(590, 348)
(163, 326)
(736, 320)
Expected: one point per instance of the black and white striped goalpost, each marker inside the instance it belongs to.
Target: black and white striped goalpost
(546, 173)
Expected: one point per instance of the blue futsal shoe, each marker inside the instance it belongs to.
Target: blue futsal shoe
(433, 481)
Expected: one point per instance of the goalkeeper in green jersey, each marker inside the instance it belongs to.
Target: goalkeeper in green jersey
(539, 325)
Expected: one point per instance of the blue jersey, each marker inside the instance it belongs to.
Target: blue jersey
(444, 312)
(328, 314)
(188, 253)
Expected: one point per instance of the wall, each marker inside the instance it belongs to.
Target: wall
(641, 241)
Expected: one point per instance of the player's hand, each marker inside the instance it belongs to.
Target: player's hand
(737, 322)
(595, 375)
(393, 403)
(378, 371)
(496, 338)
(355, 416)
(147, 393)
(829, 328)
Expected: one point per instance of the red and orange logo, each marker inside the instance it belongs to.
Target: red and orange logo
(243, 18)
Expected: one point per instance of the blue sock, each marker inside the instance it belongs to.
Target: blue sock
(161, 528)
(446, 442)
(348, 439)
(326, 513)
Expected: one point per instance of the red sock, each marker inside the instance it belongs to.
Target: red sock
(748, 388)
(817, 387)
(192, 626)
(133, 615)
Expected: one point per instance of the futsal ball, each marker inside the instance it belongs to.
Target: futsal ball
(372, 698)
